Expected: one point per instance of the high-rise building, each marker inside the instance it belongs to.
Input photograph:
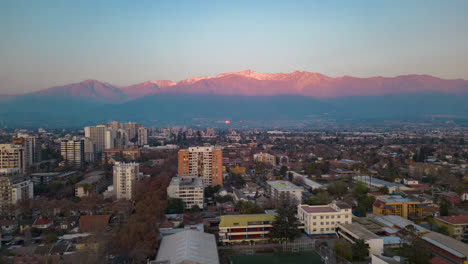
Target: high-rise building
(203, 162)
(132, 129)
(142, 136)
(125, 177)
(89, 150)
(97, 135)
(12, 189)
(72, 152)
(11, 159)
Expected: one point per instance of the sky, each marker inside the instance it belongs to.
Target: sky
(47, 43)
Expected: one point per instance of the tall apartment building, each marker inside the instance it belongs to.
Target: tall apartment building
(142, 136)
(72, 152)
(285, 190)
(203, 162)
(12, 189)
(11, 158)
(116, 139)
(189, 189)
(265, 158)
(323, 219)
(400, 206)
(27, 150)
(89, 150)
(97, 136)
(125, 177)
(132, 129)
(34, 146)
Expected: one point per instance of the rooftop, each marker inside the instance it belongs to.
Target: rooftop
(397, 199)
(455, 219)
(447, 243)
(359, 231)
(91, 179)
(243, 220)
(378, 182)
(188, 246)
(318, 209)
(283, 185)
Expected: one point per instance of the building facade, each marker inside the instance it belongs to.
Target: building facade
(246, 227)
(399, 206)
(11, 159)
(142, 136)
(285, 190)
(189, 189)
(265, 158)
(97, 135)
(125, 177)
(457, 225)
(12, 189)
(72, 152)
(203, 162)
(323, 219)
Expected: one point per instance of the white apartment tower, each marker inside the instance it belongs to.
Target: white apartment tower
(142, 136)
(125, 177)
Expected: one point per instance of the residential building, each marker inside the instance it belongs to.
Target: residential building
(91, 184)
(45, 177)
(410, 181)
(188, 188)
(451, 197)
(265, 158)
(399, 206)
(131, 154)
(11, 159)
(285, 190)
(97, 136)
(72, 152)
(323, 219)
(246, 227)
(12, 189)
(110, 153)
(125, 178)
(188, 246)
(456, 225)
(89, 150)
(132, 129)
(142, 136)
(203, 162)
(27, 150)
(42, 223)
(354, 231)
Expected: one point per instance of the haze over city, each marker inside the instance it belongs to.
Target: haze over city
(234, 132)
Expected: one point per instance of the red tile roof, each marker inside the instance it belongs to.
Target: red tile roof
(42, 221)
(318, 209)
(455, 219)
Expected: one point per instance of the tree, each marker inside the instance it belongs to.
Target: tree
(343, 249)
(443, 230)
(417, 251)
(431, 222)
(337, 188)
(322, 197)
(444, 207)
(360, 188)
(283, 170)
(195, 209)
(175, 206)
(383, 190)
(360, 250)
(285, 225)
(245, 207)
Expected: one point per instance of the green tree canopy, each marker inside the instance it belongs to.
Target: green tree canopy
(175, 206)
(285, 226)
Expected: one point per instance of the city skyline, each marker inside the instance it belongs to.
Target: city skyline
(52, 43)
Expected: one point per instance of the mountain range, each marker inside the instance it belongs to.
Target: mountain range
(245, 95)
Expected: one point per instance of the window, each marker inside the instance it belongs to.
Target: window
(321, 229)
(314, 217)
(235, 224)
(327, 228)
(327, 216)
(332, 217)
(321, 217)
(321, 223)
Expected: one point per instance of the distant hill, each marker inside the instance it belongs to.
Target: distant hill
(246, 95)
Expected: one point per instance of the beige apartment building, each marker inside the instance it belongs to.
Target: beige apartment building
(265, 158)
(323, 219)
(11, 159)
(125, 177)
(188, 188)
